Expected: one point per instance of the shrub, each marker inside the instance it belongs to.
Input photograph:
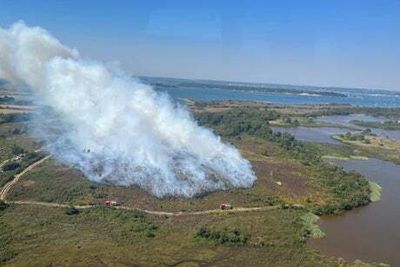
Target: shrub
(6, 251)
(15, 117)
(3, 205)
(71, 211)
(223, 236)
(10, 166)
(16, 149)
(347, 190)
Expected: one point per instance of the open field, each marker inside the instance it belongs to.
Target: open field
(289, 182)
(279, 180)
(110, 237)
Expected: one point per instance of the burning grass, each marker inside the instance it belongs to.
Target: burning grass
(106, 236)
(279, 180)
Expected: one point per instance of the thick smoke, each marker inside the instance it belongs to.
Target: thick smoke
(113, 128)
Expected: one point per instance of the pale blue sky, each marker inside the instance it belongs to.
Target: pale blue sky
(353, 43)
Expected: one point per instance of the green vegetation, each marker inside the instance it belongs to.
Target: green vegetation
(298, 111)
(6, 251)
(304, 121)
(126, 224)
(311, 228)
(15, 117)
(361, 137)
(14, 144)
(368, 145)
(12, 168)
(239, 121)
(381, 112)
(222, 236)
(16, 149)
(113, 237)
(72, 211)
(348, 109)
(289, 172)
(376, 190)
(9, 100)
(54, 182)
(346, 190)
(3, 206)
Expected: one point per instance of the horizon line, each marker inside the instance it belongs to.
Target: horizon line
(269, 83)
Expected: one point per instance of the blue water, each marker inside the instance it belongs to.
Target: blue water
(345, 120)
(320, 134)
(324, 134)
(358, 97)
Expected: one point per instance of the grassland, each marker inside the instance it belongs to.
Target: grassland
(302, 121)
(279, 181)
(104, 236)
(289, 172)
(344, 190)
(110, 237)
(373, 146)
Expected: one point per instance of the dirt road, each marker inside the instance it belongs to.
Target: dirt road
(4, 191)
(152, 212)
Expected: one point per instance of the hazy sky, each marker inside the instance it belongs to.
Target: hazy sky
(354, 43)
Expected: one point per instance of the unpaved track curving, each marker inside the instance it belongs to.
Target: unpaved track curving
(152, 212)
(4, 191)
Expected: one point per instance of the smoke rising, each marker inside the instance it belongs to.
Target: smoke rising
(114, 128)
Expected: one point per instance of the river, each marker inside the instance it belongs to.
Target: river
(345, 120)
(314, 134)
(369, 233)
(324, 134)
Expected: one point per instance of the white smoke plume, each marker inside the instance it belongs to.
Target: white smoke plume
(112, 127)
